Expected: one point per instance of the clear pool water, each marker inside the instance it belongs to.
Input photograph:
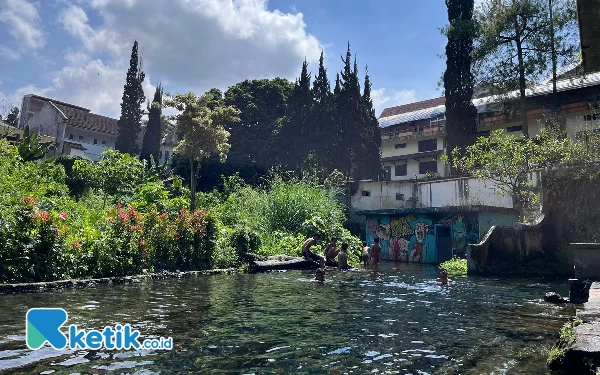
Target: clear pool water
(397, 322)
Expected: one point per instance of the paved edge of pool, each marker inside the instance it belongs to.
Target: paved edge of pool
(82, 283)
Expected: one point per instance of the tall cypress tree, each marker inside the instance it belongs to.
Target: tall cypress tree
(461, 114)
(350, 120)
(370, 167)
(295, 137)
(131, 106)
(153, 134)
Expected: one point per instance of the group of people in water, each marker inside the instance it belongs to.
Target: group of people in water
(370, 257)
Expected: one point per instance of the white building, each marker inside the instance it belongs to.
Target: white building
(77, 130)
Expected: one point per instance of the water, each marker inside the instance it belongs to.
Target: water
(400, 322)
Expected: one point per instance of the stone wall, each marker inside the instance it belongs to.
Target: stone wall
(570, 214)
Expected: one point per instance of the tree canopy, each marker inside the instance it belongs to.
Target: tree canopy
(153, 133)
(201, 130)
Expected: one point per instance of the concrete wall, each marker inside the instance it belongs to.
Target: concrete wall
(489, 219)
(49, 121)
(461, 192)
(382, 195)
(413, 237)
(439, 193)
(92, 151)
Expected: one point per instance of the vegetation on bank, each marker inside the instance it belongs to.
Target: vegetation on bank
(455, 266)
(566, 338)
(120, 216)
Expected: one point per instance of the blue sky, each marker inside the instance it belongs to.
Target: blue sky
(78, 50)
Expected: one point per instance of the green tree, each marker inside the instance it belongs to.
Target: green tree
(12, 118)
(511, 47)
(461, 114)
(349, 114)
(509, 161)
(201, 131)
(262, 104)
(31, 147)
(370, 164)
(295, 137)
(131, 106)
(115, 173)
(153, 133)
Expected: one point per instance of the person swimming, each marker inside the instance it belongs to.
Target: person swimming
(443, 279)
(320, 275)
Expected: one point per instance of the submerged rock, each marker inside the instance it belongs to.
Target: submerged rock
(553, 297)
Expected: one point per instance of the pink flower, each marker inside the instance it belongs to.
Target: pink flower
(62, 216)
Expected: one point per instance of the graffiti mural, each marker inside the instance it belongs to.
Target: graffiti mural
(412, 238)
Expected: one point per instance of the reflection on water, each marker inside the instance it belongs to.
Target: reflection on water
(398, 322)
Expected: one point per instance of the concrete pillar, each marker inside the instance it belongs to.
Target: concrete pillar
(586, 260)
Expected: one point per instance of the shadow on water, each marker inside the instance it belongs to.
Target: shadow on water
(398, 321)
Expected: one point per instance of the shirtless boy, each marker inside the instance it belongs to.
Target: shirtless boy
(331, 252)
(309, 255)
(375, 254)
(343, 257)
(365, 254)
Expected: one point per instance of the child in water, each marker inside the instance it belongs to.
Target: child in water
(375, 254)
(343, 257)
(443, 279)
(320, 275)
(365, 254)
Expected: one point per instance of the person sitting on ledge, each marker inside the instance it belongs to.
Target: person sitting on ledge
(309, 255)
(320, 275)
(443, 279)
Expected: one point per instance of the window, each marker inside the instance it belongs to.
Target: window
(401, 170)
(428, 166)
(428, 145)
(366, 193)
(103, 142)
(512, 129)
(399, 197)
(400, 145)
(95, 141)
(438, 121)
(70, 136)
(81, 137)
(594, 117)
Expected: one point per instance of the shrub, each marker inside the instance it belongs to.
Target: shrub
(455, 266)
(244, 241)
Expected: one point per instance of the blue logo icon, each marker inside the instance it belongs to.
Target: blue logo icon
(42, 325)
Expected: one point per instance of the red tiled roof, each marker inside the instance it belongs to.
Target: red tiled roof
(413, 107)
(77, 116)
(89, 121)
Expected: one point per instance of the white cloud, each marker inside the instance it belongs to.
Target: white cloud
(187, 44)
(9, 53)
(22, 21)
(381, 101)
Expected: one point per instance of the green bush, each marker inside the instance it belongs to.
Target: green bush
(455, 266)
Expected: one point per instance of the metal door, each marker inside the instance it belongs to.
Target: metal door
(443, 242)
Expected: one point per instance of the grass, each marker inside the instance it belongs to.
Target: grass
(566, 338)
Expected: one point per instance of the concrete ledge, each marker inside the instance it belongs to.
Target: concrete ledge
(82, 283)
(586, 259)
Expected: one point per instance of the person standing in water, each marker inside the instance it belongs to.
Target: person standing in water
(331, 252)
(343, 257)
(365, 254)
(443, 279)
(375, 254)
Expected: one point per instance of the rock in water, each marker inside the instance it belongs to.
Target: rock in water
(553, 297)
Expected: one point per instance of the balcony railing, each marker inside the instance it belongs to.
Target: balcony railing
(416, 131)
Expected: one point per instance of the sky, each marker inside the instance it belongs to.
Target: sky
(78, 51)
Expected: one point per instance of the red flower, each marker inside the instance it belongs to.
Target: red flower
(77, 244)
(62, 216)
(29, 200)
